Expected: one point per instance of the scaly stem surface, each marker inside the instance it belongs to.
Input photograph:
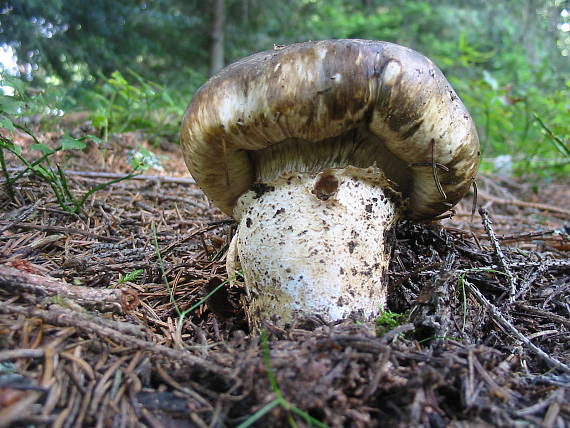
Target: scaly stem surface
(315, 244)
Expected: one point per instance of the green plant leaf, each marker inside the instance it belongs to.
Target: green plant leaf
(10, 105)
(118, 79)
(42, 148)
(143, 159)
(308, 418)
(92, 138)
(99, 120)
(10, 146)
(70, 143)
(6, 123)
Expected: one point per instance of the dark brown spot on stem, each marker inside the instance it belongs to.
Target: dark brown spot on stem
(325, 186)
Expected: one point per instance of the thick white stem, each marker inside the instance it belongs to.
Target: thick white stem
(315, 244)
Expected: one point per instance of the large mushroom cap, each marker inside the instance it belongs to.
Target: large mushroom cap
(333, 103)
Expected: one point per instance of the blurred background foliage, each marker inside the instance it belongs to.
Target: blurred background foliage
(134, 64)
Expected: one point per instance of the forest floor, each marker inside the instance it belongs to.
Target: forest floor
(103, 320)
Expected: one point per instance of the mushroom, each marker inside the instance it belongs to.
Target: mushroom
(318, 149)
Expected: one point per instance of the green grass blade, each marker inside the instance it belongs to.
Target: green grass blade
(464, 292)
(66, 191)
(560, 145)
(259, 414)
(267, 363)
(103, 185)
(56, 189)
(203, 299)
(32, 166)
(308, 418)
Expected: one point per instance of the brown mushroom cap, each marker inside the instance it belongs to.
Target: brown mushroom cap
(332, 103)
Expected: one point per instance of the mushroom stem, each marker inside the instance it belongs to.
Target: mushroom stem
(316, 244)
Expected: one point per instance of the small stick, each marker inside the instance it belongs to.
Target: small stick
(516, 202)
(61, 229)
(550, 264)
(526, 236)
(498, 252)
(113, 175)
(537, 407)
(494, 386)
(503, 322)
(12, 354)
(22, 216)
(525, 286)
(104, 299)
(543, 313)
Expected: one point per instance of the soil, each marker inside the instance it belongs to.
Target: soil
(104, 319)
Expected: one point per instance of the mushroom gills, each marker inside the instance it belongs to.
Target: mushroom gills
(316, 244)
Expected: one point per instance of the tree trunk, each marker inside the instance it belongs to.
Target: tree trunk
(217, 36)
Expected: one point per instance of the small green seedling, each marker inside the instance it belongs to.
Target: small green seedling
(387, 321)
(131, 276)
(45, 169)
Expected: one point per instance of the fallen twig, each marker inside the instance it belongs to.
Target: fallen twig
(22, 216)
(525, 286)
(549, 264)
(12, 354)
(498, 252)
(14, 412)
(530, 236)
(537, 407)
(432, 310)
(103, 299)
(506, 324)
(516, 202)
(113, 175)
(543, 313)
(61, 229)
